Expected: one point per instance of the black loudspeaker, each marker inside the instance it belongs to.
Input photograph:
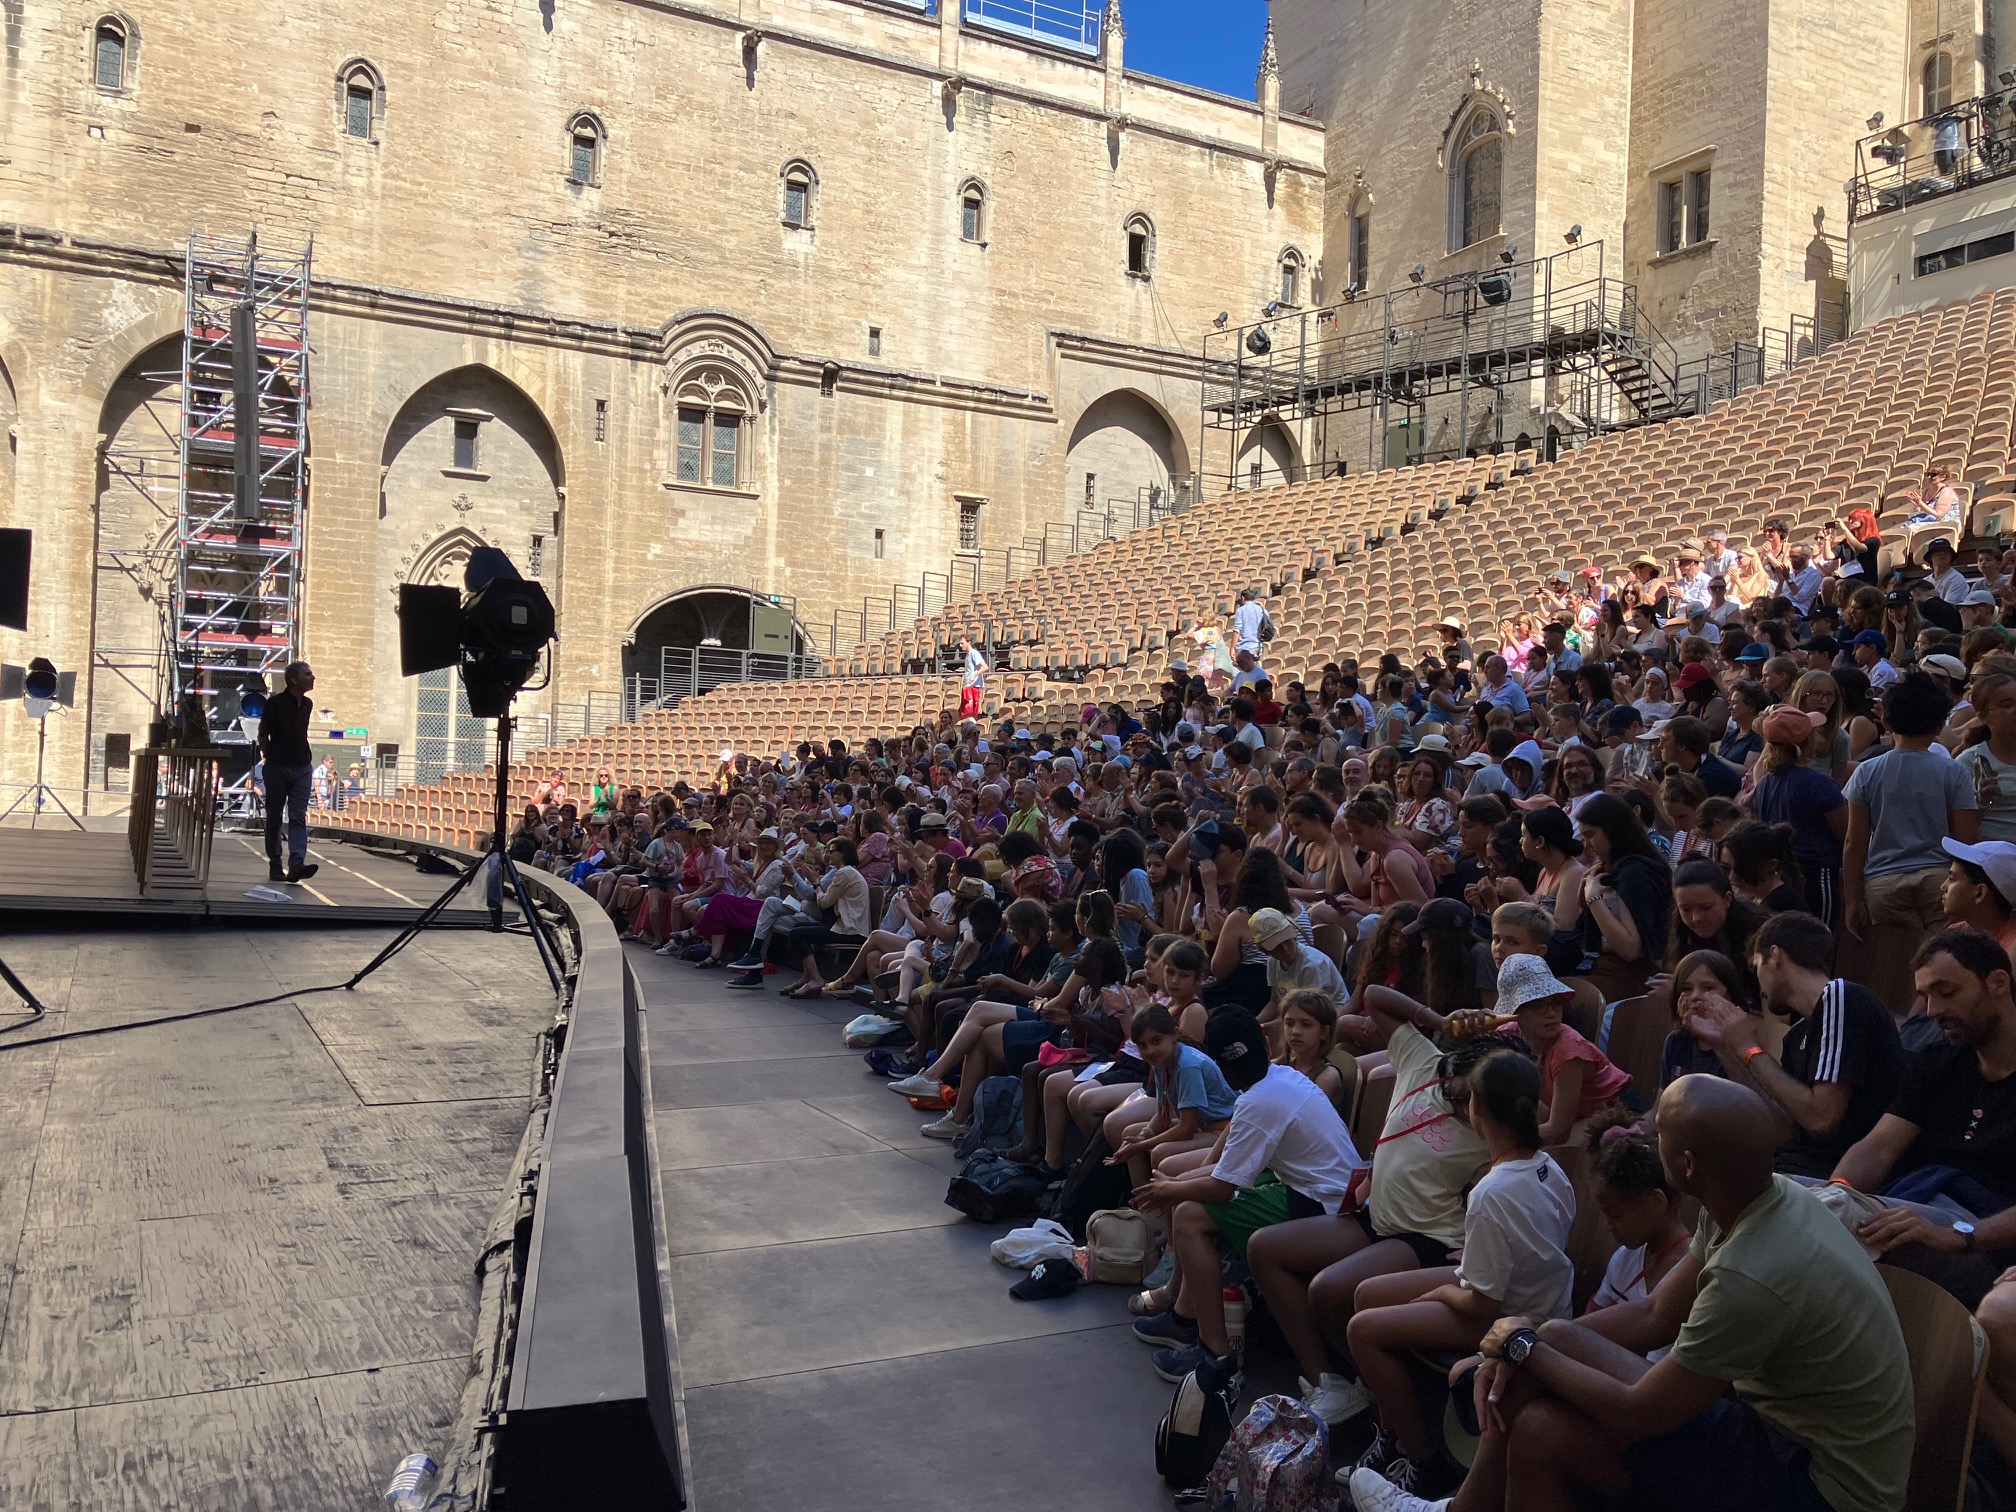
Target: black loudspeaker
(14, 551)
(430, 628)
(245, 411)
(1496, 288)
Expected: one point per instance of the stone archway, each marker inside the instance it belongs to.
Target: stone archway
(1268, 456)
(468, 460)
(1123, 452)
(138, 496)
(705, 628)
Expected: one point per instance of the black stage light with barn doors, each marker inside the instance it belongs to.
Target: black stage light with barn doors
(494, 631)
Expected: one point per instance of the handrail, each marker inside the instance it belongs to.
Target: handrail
(172, 817)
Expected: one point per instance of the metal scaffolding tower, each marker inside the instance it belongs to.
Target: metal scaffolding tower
(235, 606)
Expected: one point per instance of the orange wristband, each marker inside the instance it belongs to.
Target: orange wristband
(1753, 1052)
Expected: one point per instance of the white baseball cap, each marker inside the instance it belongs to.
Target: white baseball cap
(1995, 857)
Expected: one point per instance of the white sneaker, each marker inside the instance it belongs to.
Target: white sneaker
(1372, 1492)
(1335, 1399)
(944, 1128)
(918, 1085)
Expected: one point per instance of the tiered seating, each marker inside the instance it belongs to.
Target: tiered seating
(1368, 564)
(667, 745)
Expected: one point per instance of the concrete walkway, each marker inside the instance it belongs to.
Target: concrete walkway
(845, 1341)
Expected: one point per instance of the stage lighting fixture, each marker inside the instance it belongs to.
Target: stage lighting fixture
(1574, 236)
(1417, 272)
(1258, 343)
(1510, 255)
(495, 630)
(42, 690)
(1272, 309)
(2006, 78)
(1875, 122)
(1223, 316)
(251, 705)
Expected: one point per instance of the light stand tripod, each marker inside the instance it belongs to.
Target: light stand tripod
(507, 869)
(41, 789)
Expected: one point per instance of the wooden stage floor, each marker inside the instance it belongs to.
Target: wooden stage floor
(49, 870)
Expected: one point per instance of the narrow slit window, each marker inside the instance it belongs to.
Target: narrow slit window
(874, 341)
(797, 203)
(358, 101)
(601, 419)
(110, 57)
(465, 445)
(878, 545)
(969, 524)
(971, 216)
(1137, 253)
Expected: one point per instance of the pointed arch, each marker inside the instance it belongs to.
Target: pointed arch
(442, 559)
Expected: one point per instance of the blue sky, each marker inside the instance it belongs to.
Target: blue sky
(1211, 43)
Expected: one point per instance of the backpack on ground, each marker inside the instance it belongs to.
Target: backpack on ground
(997, 1117)
(1090, 1185)
(1122, 1247)
(989, 1189)
(1193, 1431)
(1277, 1460)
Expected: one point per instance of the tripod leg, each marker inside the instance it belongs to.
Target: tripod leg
(406, 936)
(64, 808)
(549, 952)
(21, 990)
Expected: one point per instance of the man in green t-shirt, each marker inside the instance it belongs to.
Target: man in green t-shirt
(1786, 1387)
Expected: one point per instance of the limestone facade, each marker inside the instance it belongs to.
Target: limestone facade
(581, 232)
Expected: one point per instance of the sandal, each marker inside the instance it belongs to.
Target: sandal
(1145, 1304)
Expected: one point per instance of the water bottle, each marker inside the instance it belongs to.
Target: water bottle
(1235, 1317)
(410, 1482)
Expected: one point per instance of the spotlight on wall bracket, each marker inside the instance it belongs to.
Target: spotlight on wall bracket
(2006, 78)
(1875, 122)
(1510, 255)
(1223, 316)
(1417, 273)
(1273, 308)
(1574, 235)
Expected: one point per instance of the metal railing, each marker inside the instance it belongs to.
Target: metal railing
(686, 670)
(1970, 142)
(1066, 23)
(171, 817)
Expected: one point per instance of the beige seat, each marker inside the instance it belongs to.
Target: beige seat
(1949, 1358)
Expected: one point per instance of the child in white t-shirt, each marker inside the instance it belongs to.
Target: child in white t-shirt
(1515, 1261)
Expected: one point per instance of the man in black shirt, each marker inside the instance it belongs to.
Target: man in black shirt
(289, 772)
(1837, 1071)
(1945, 1153)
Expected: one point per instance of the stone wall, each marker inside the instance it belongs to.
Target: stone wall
(458, 266)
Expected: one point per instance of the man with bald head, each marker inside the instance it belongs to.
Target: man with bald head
(1775, 1300)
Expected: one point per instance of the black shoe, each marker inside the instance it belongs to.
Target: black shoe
(275, 874)
(745, 979)
(301, 871)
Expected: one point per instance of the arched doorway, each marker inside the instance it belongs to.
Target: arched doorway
(697, 638)
(1122, 454)
(138, 496)
(469, 460)
(1267, 456)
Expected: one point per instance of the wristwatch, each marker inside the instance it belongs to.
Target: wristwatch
(1519, 1345)
(1966, 1232)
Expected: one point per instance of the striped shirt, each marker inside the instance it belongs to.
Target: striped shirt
(1848, 1037)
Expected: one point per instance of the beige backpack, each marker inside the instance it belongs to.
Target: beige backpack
(1121, 1247)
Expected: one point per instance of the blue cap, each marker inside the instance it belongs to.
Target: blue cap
(1874, 638)
(1756, 651)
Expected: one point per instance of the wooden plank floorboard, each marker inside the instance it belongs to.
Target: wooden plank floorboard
(236, 1253)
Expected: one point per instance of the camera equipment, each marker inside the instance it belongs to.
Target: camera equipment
(495, 631)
